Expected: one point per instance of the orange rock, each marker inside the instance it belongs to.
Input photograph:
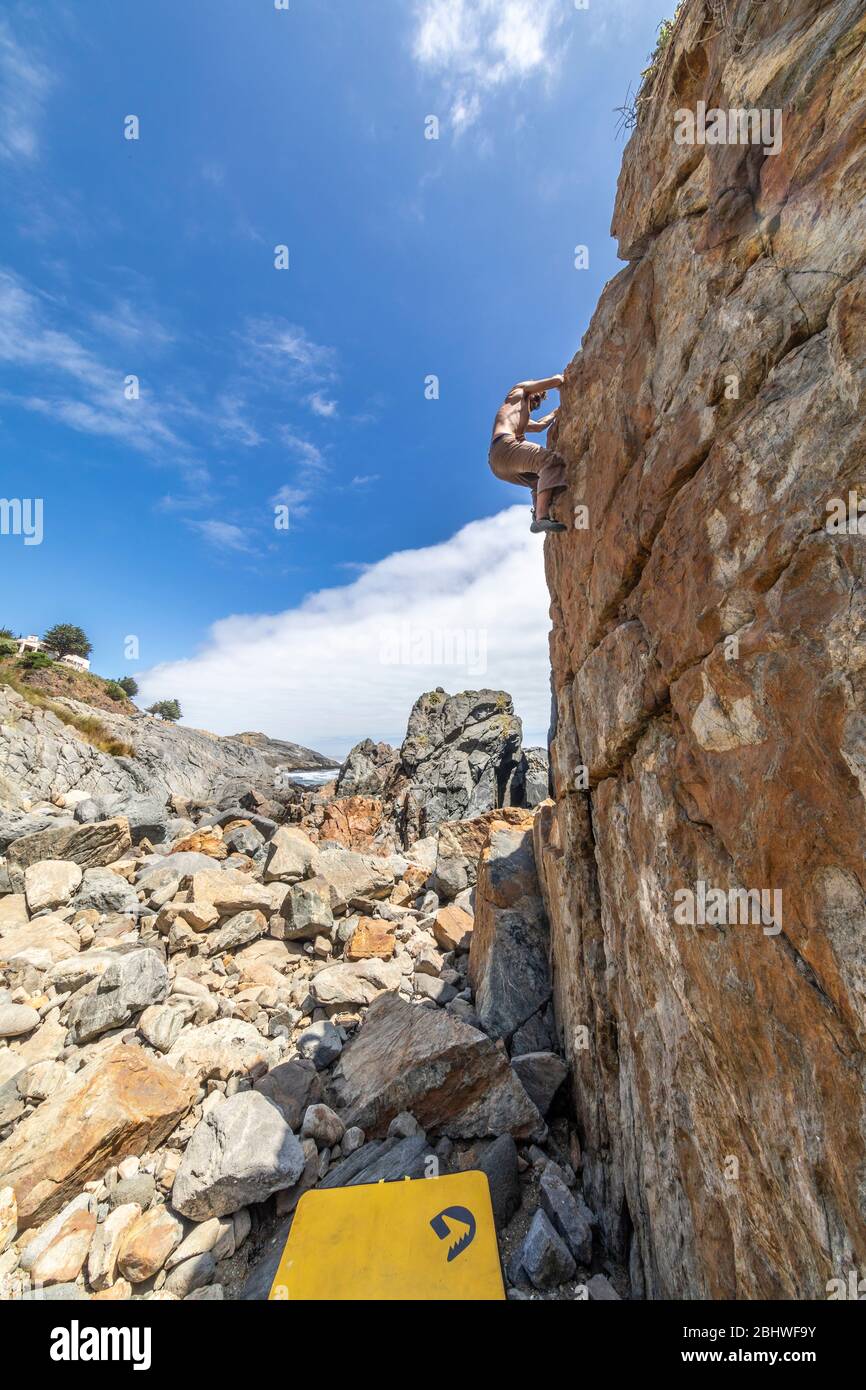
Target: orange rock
(202, 842)
(371, 938)
(121, 1104)
(352, 821)
(452, 927)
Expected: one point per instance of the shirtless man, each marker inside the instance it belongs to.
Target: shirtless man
(515, 460)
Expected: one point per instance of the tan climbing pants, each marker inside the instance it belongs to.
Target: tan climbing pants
(517, 461)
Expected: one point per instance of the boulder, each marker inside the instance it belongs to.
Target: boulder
(147, 1243)
(17, 1019)
(106, 1243)
(241, 929)
(353, 876)
(321, 1043)
(241, 1152)
(45, 940)
(104, 891)
(292, 1086)
(452, 928)
(226, 1047)
(354, 982)
(353, 821)
(453, 1079)
(161, 1025)
(564, 1214)
(122, 1103)
(307, 910)
(127, 986)
(508, 957)
(291, 856)
(323, 1126)
(61, 1260)
(50, 883)
(544, 1255)
(368, 770)
(458, 754)
(8, 1218)
(371, 938)
(541, 1074)
(499, 1162)
(231, 893)
(13, 912)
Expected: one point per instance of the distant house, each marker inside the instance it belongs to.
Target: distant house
(35, 644)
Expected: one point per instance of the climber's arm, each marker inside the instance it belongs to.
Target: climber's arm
(537, 426)
(531, 388)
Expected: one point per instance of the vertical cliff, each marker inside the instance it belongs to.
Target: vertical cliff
(709, 668)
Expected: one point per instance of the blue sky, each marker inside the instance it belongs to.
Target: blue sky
(408, 257)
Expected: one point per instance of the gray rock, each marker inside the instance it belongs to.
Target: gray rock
(241, 1152)
(90, 846)
(322, 1125)
(432, 988)
(499, 1162)
(566, 1216)
(105, 891)
(544, 1255)
(453, 1079)
(140, 1188)
(190, 1275)
(211, 1293)
(352, 876)
(307, 910)
(17, 1019)
(542, 1074)
(55, 1293)
(291, 1086)
(147, 815)
(368, 770)
(392, 1160)
(601, 1290)
(458, 755)
(160, 1025)
(405, 1126)
(537, 1034)
(238, 931)
(244, 839)
(128, 986)
(321, 1044)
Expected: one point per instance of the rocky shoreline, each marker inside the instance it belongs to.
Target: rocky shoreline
(210, 1006)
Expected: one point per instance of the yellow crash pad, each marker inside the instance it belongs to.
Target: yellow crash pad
(432, 1238)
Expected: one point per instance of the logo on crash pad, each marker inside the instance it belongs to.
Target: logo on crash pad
(458, 1223)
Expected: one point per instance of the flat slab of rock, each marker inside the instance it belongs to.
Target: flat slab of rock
(90, 846)
(291, 855)
(452, 928)
(234, 892)
(50, 883)
(508, 958)
(241, 1152)
(47, 939)
(121, 1104)
(452, 1078)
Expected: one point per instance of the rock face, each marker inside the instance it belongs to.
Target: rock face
(708, 660)
(121, 1104)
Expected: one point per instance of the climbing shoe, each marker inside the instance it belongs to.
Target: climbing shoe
(548, 524)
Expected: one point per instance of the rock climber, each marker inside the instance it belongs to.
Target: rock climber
(515, 460)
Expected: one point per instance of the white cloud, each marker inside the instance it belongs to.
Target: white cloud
(364, 479)
(322, 405)
(222, 534)
(24, 87)
(476, 46)
(324, 673)
(288, 350)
